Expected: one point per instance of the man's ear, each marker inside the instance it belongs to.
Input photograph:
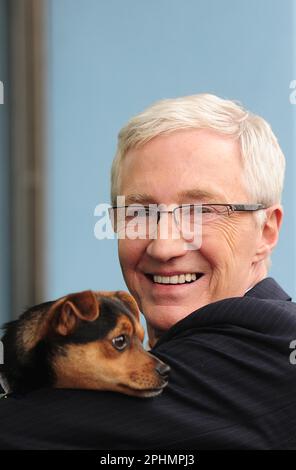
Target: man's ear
(130, 302)
(75, 307)
(269, 232)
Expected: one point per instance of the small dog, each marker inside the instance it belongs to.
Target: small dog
(87, 340)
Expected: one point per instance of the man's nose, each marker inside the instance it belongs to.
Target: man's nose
(167, 242)
(167, 227)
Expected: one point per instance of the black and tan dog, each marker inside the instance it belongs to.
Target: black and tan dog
(88, 340)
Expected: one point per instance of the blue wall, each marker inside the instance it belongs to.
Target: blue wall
(4, 174)
(110, 59)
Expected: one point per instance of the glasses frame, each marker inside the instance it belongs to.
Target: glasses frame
(230, 208)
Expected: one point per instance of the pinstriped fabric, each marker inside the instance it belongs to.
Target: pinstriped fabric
(268, 288)
(232, 386)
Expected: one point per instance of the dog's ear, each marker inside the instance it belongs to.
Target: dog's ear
(130, 302)
(75, 307)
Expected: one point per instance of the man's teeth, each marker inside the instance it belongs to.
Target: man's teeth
(178, 279)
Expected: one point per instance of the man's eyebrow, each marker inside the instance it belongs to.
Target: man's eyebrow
(193, 194)
(139, 198)
(200, 194)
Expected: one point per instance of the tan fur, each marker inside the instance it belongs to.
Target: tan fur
(97, 364)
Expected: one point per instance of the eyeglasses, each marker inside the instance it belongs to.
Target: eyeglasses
(187, 216)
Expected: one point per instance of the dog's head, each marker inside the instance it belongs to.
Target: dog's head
(89, 340)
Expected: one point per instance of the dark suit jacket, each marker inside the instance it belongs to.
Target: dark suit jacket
(232, 386)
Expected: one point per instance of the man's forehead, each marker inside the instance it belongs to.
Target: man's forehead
(202, 195)
(201, 168)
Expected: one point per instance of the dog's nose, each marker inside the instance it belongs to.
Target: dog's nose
(162, 369)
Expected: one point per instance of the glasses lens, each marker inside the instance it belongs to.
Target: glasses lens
(137, 214)
(134, 221)
(141, 221)
(210, 213)
(188, 217)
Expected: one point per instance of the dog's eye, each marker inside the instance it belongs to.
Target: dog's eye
(120, 342)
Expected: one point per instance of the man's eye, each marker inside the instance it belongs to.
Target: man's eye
(120, 342)
(133, 212)
(208, 210)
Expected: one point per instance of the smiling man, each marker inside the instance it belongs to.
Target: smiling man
(198, 150)
(199, 179)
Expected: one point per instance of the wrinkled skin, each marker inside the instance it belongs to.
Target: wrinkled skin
(233, 247)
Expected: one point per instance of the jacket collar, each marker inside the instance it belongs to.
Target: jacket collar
(268, 288)
(230, 311)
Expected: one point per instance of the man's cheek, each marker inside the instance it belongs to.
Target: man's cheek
(221, 240)
(125, 260)
(220, 264)
(125, 252)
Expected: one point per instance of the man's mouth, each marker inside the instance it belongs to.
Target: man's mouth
(184, 278)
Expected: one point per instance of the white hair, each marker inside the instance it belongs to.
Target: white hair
(262, 158)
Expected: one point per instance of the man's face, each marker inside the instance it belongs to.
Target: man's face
(190, 166)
